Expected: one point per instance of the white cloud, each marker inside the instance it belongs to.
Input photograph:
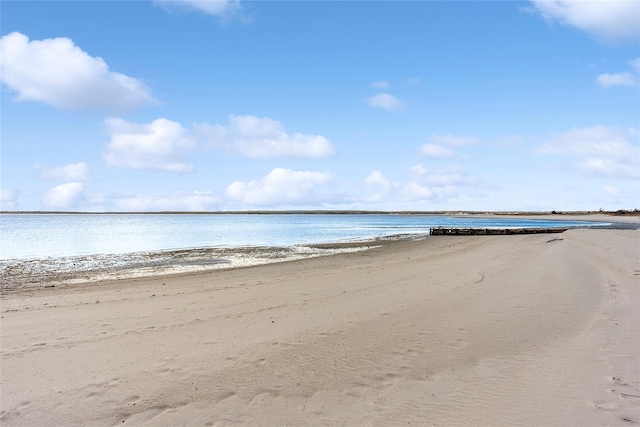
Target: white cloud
(63, 196)
(8, 199)
(384, 189)
(388, 191)
(72, 172)
(606, 20)
(602, 150)
(424, 185)
(378, 179)
(452, 140)
(437, 145)
(617, 79)
(611, 167)
(380, 84)
(59, 73)
(414, 191)
(621, 79)
(385, 101)
(163, 144)
(596, 140)
(433, 150)
(210, 7)
(159, 145)
(178, 202)
(281, 187)
(263, 137)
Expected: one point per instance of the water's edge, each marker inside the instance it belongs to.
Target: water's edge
(52, 271)
(184, 243)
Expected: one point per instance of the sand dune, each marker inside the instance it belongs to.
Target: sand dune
(485, 330)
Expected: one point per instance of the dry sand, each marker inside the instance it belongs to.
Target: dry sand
(483, 330)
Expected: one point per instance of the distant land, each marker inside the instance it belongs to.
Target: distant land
(620, 212)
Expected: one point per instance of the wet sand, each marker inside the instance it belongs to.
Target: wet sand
(481, 330)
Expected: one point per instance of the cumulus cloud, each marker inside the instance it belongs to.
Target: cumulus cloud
(175, 202)
(162, 145)
(383, 189)
(252, 136)
(63, 196)
(59, 73)
(159, 146)
(385, 101)
(8, 199)
(209, 7)
(621, 79)
(281, 187)
(423, 185)
(606, 20)
(617, 79)
(72, 172)
(377, 178)
(601, 150)
(380, 84)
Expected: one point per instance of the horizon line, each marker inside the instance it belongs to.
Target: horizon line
(334, 212)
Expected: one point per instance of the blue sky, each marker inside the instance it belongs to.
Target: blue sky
(233, 105)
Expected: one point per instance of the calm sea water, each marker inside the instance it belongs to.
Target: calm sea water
(38, 236)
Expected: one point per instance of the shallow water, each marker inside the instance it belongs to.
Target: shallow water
(39, 236)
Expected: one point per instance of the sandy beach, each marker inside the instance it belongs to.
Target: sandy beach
(483, 330)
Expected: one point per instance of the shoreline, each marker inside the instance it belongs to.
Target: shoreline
(482, 330)
(53, 271)
(121, 234)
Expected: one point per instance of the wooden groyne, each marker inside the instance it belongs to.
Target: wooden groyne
(448, 231)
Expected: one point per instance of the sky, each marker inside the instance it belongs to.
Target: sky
(186, 105)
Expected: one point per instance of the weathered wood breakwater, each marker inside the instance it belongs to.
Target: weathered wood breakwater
(448, 231)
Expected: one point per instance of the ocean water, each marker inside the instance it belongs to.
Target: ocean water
(41, 236)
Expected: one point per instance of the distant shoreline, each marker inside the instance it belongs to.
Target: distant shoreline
(622, 212)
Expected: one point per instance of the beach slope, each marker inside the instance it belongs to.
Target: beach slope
(481, 330)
